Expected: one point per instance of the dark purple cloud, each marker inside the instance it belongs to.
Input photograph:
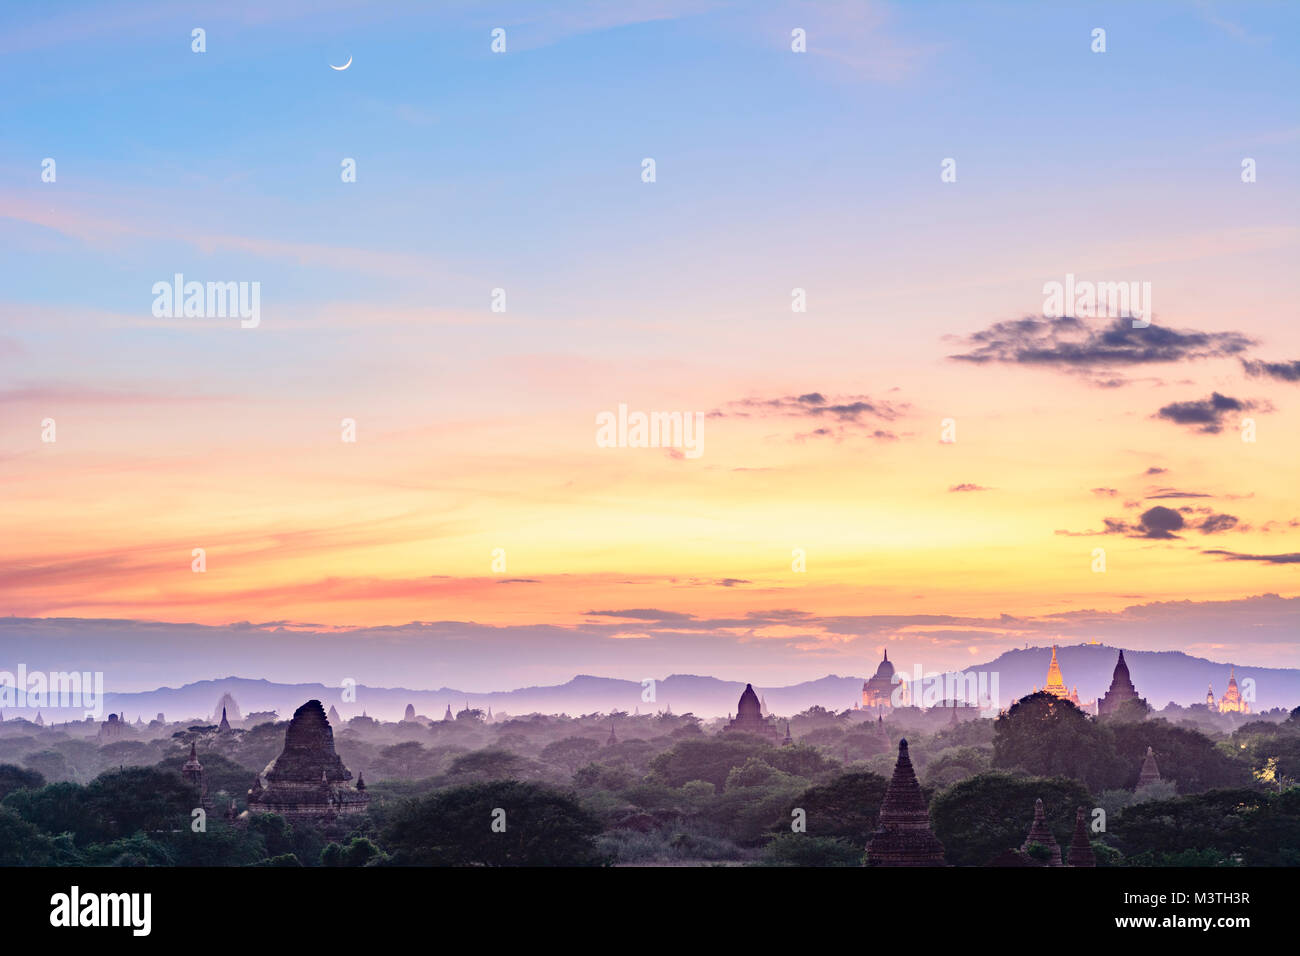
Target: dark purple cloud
(1207, 413)
(1293, 558)
(1282, 371)
(1074, 345)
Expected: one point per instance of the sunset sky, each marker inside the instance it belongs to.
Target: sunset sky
(822, 430)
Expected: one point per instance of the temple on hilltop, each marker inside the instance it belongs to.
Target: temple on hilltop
(903, 836)
(878, 692)
(1056, 683)
(308, 779)
(1040, 834)
(749, 717)
(1150, 772)
(1081, 851)
(1121, 690)
(1232, 702)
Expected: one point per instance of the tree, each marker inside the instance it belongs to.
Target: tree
(359, 852)
(16, 778)
(22, 843)
(1218, 827)
(708, 758)
(801, 849)
(847, 807)
(1185, 756)
(571, 752)
(540, 826)
(985, 815)
(1050, 737)
(489, 764)
(54, 808)
(119, 803)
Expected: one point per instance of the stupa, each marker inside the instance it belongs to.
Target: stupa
(1081, 852)
(1056, 683)
(1121, 690)
(1040, 834)
(1150, 772)
(903, 836)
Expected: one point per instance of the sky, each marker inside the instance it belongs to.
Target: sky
(922, 459)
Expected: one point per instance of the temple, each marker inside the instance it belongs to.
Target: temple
(224, 726)
(1081, 852)
(1232, 702)
(227, 703)
(333, 716)
(1040, 834)
(1056, 683)
(878, 691)
(192, 771)
(903, 836)
(1121, 690)
(308, 779)
(749, 717)
(1150, 772)
(112, 729)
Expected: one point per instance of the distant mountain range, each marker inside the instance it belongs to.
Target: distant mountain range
(1160, 677)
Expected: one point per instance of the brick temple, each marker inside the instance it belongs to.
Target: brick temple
(903, 836)
(308, 779)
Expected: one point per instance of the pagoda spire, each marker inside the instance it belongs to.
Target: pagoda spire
(1150, 772)
(903, 836)
(1081, 852)
(1040, 834)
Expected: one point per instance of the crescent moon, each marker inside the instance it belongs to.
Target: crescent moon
(343, 67)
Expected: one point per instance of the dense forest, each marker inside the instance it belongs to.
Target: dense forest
(620, 789)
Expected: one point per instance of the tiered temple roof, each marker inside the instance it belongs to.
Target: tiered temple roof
(1056, 683)
(308, 779)
(1081, 852)
(1232, 702)
(903, 836)
(1040, 834)
(1150, 772)
(1121, 690)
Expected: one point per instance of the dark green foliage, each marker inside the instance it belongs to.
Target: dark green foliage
(454, 828)
(1247, 826)
(16, 778)
(709, 758)
(22, 843)
(981, 817)
(1049, 738)
(846, 807)
(800, 849)
(1185, 756)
